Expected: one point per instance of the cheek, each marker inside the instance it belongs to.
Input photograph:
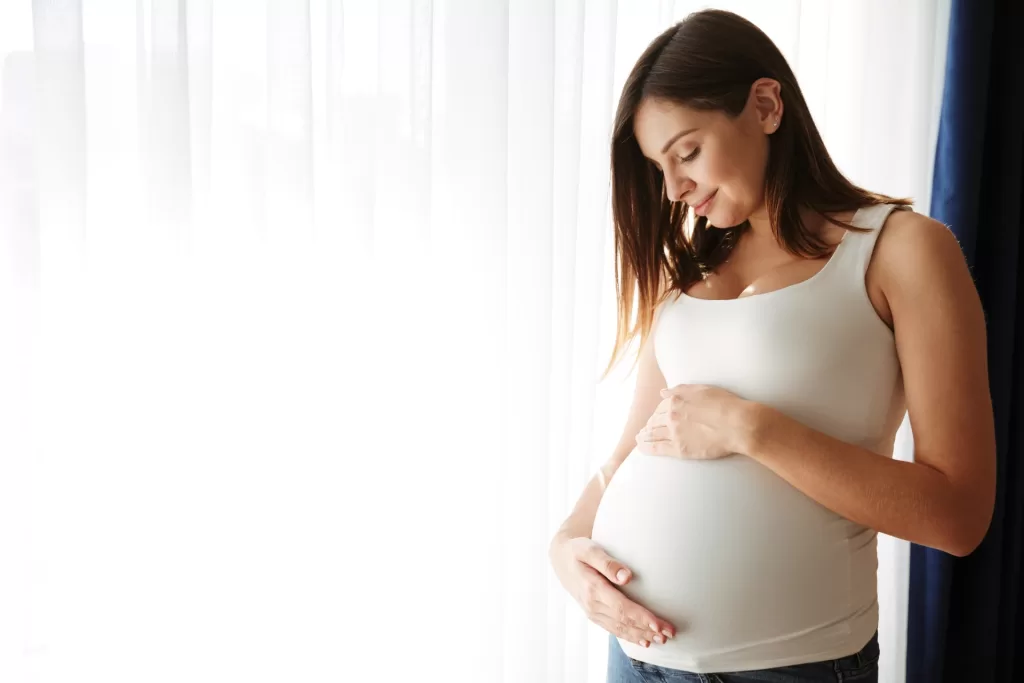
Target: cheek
(743, 177)
(734, 172)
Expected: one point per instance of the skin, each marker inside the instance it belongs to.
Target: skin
(585, 570)
(919, 285)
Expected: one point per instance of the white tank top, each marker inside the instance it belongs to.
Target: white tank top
(752, 572)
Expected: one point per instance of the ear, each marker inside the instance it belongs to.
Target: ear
(766, 100)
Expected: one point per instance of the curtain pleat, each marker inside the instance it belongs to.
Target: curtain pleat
(314, 296)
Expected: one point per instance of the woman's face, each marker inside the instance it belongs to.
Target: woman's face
(714, 163)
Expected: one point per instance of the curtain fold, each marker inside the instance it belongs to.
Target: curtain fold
(311, 300)
(965, 614)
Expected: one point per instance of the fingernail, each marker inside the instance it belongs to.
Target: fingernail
(668, 634)
(659, 639)
(644, 643)
(654, 627)
(622, 575)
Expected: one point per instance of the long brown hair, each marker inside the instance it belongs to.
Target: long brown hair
(709, 61)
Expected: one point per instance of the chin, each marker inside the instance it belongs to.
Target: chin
(722, 223)
(724, 219)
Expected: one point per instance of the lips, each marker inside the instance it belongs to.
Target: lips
(701, 209)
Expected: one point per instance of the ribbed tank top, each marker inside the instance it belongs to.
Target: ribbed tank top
(753, 573)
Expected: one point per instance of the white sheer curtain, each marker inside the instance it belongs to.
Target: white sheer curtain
(303, 308)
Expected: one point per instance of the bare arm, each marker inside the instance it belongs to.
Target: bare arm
(646, 397)
(585, 570)
(944, 499)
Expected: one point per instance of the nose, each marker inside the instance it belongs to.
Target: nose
(676, 187)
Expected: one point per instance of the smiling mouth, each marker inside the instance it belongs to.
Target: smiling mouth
(698, 207)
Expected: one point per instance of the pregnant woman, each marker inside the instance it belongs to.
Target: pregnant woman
(788, 319)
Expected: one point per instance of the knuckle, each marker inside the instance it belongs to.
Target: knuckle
(620, 614)
(589, 596)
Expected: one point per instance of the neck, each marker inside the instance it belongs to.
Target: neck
(761, 227)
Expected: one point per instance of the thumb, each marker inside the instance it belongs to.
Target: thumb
(609, 567)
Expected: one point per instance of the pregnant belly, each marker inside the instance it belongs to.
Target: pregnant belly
(735, 557)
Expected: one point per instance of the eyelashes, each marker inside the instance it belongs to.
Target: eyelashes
(691, 156)
(682, 159)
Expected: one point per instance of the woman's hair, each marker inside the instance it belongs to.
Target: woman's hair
(709, 61)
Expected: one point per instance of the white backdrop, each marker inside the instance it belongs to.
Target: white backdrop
(303, 307)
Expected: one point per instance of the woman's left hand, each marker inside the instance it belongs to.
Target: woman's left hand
(696, 422)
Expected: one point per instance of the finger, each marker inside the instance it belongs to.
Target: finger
(625, 630)
(681, 389)
(608, 602)
(658, 417)
(606, 565)
(642, 637)
(611, 601)
(656, 433)
(678, 390)
(660, 448)
(631, 616)
(646, 437)
(661, 412)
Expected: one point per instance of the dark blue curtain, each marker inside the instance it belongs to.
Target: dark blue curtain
(966, 615)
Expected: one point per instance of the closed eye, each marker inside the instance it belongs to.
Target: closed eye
(691, 156)
(682, 159)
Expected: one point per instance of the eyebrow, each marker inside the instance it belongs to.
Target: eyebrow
(676, 137)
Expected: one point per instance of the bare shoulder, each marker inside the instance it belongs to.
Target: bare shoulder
(918, 262)
(913, 246)
(916, 258)
(939, 329)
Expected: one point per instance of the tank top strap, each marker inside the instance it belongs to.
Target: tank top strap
(858, 246)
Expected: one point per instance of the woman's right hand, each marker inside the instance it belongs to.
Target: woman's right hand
(591, 576)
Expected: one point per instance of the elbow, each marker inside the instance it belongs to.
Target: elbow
(965, 533)
(962, 546)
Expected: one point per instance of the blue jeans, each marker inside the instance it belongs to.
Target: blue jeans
(861, 667)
